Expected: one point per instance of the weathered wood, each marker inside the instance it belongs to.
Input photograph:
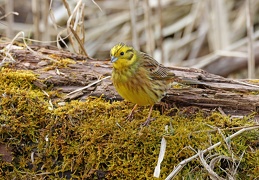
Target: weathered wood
(212, 92)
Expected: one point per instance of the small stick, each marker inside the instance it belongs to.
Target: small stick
(89, 85)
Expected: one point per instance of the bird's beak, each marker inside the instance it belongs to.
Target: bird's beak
(114, 59)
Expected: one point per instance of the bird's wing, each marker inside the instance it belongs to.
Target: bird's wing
(156, 70)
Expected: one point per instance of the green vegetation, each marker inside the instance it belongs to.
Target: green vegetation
(91, 139)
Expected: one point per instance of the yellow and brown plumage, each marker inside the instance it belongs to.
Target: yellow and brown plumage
(138, 77)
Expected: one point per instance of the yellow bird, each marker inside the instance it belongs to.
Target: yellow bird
(138, 77)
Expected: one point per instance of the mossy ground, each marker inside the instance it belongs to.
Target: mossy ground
(91, 139)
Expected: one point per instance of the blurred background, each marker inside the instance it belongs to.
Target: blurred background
(219, 36)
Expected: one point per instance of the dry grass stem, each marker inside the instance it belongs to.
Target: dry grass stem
(250, 34)
(89, 85)
(134, 29)
(213, 175)
(10, 18)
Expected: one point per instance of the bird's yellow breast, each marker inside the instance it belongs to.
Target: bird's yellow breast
(136, 87)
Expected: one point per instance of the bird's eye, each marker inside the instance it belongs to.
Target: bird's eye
(122, 53)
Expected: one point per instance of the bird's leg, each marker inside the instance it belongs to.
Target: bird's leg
(146, 123)
(130, 116)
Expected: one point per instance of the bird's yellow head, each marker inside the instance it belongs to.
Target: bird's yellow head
(123, 56)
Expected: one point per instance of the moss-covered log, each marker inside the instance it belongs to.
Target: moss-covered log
(67, 72)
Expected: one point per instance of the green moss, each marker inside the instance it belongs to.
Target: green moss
(91, 139)
(59, 63)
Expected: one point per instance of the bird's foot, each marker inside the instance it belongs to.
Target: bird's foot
(148, 121)
(130, 116)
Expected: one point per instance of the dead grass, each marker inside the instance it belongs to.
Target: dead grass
(182, 32)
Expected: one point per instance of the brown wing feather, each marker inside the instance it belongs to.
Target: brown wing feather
(157, 71)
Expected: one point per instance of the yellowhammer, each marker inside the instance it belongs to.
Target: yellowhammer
(138, 77)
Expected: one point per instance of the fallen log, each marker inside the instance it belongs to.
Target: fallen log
(65, 71)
